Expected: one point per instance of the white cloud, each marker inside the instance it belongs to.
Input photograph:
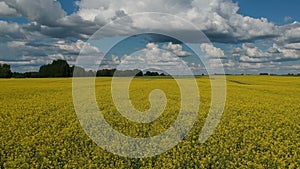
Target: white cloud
(152, 57)
(45, 12)
(10, 31)
(289, 34)
(251, 66)
(152, 46)
(77, 47)
(55, 56)
(293, 33)
(176, 49)
(35, 54)
(289, 53)
(251, 59)
(250, 53)
(115, 59)
(247, 28)
(293, 46)
(293, 67)
(230, 64)
(212, 51)
(5, 10)
(217, 17)
(214, 64)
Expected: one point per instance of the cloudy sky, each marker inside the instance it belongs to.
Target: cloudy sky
(249, 36)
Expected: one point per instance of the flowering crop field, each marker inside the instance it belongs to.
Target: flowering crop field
(260, 126)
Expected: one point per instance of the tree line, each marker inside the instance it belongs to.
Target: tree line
(5, 71)
(61, 68)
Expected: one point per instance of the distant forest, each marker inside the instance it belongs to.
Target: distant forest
(61, 68)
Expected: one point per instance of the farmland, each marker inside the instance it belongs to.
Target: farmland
(259, 128)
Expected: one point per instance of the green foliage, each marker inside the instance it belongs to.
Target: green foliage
(148, 73)
(127, 73)
(5, 71)
(118, 73)
(106, 72)
(77, 71)
(58, 68)
(61, 68)
(259, 128)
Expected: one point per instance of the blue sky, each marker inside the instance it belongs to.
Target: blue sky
(275, 10)
(69, 6)
(33, 33)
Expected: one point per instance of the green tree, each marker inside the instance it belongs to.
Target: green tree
(77, 71)
(5, 71)
(149, 73)
(106, 72)
(58, 68)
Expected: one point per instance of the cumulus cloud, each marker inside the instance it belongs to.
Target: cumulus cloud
(51, 33)
(249, 53)
(15, 50)
(152, 57)
(289, 34)
(229, 65)
(10, 31)
(6, 11)
(77, 47)
(45, 12)
(115, 59)
(292, 46)
(37, 53)
(287, 53)
(252, 54)
(251, 66)
(212, 51)
(219, 19)
(152, 46)
(176, 49)
(296, 67)
(252, 59)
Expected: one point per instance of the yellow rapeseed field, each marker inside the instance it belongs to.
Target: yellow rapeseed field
(259, 128)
